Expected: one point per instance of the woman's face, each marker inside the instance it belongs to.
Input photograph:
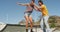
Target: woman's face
(31, 2)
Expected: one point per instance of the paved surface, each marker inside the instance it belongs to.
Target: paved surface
(56, 31)
(39, 30)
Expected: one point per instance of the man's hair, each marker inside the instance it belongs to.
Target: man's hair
(40, 1)
(33, 0)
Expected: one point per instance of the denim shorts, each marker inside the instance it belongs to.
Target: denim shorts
(28, 13)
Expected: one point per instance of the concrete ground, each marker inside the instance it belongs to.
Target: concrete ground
(39, 30)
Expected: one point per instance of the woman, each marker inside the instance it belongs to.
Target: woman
(29, 10)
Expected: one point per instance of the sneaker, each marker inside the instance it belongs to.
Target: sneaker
(48, 30)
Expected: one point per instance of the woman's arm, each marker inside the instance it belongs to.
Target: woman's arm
(22, 4)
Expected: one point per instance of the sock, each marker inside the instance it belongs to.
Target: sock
(31, 30)
(26, 30)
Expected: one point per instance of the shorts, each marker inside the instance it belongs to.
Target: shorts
(28, 13)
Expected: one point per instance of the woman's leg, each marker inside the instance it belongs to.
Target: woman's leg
(27, 19)
(31, 23)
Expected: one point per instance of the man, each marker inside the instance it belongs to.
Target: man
(28, 17)
(44, 20)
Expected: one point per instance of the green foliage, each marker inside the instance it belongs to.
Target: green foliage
(52, 25)
(52, 21)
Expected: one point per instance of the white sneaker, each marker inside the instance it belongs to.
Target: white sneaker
(48, 30)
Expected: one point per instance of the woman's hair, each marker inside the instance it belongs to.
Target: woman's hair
(33, 0)
(40, 1)
(32, 5)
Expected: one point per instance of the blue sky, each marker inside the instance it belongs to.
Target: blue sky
(12, 13)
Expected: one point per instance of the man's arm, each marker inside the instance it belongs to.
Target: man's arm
(37, 7)
(22, 4)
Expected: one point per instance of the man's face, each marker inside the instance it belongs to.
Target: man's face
(40, 3)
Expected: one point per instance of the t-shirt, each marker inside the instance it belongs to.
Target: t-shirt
(44, 10)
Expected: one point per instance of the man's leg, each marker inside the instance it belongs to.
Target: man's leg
(41, 24)
(27, 19)
(46, 23)
(31, 23)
